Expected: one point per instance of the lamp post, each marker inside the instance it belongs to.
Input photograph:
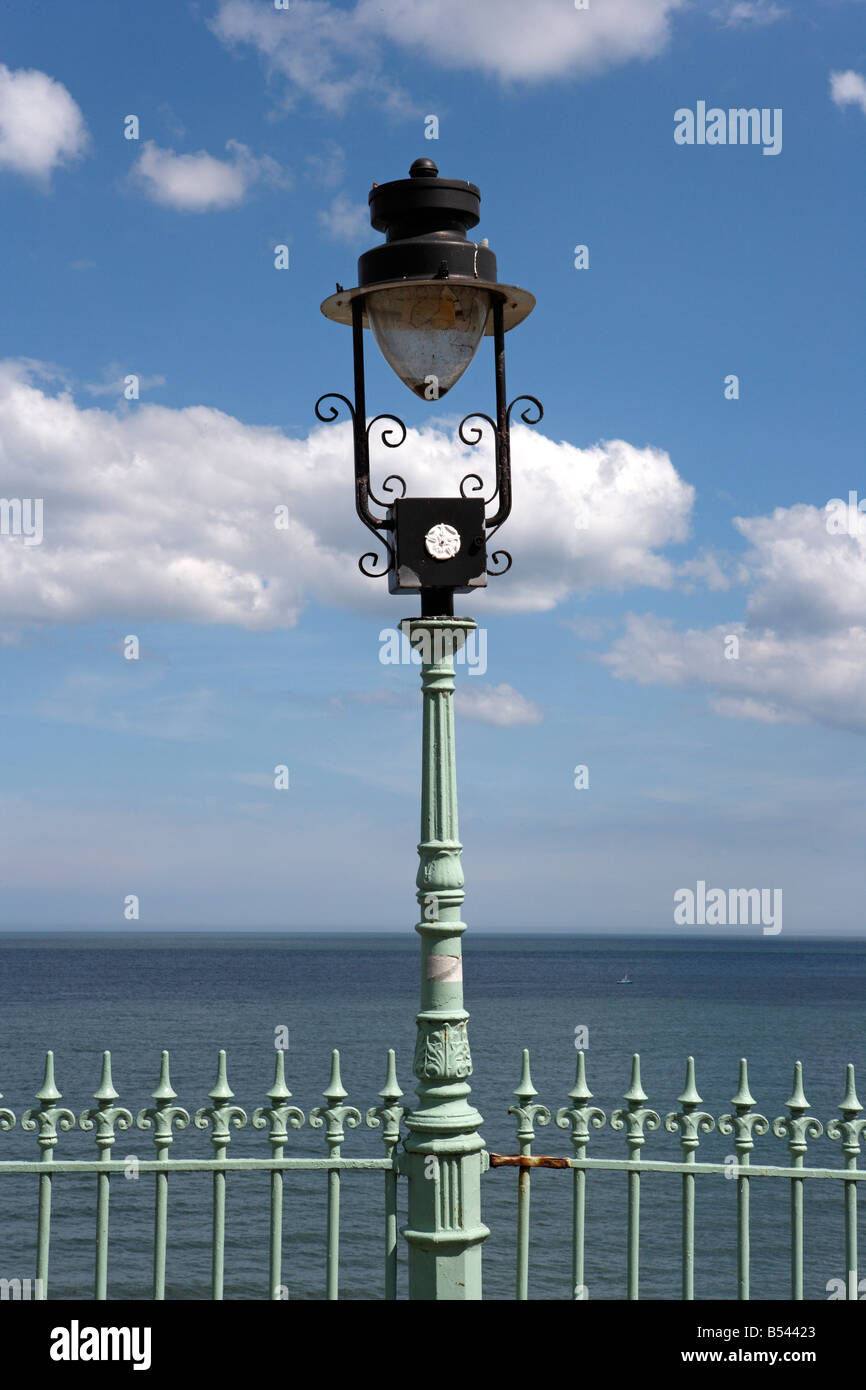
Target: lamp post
(429, 295)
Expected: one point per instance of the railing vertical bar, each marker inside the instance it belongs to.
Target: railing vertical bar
(332, 1290)
(220, 1115)
(743, 1124)
(333, 1116)
(799, 1127)
(160, 1232)
(100, 1290)
(277, 1116)
(528, 1113)
(46, 1120)
(219, 1235)
(633, 1271)
(849, 1130)
(523, 1234)
(633, 1121)
(743, 1251)
(275, 1246)
(577, 1117)
(391, 1234)
(162, 1117)
(578, 1284)
(688, 1236)
(389, 1115)
(851, 1237)
(691, 1123)
(103, 1117)
(43, 1236)
(797, 1239)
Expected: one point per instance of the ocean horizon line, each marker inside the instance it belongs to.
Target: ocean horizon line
(240, 935)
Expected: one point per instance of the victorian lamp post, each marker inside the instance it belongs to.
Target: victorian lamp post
(429, 295)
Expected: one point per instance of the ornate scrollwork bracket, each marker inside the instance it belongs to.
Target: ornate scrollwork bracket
(50, 1117)
(798, 1126)
(390, 1113)
(472, 434)
(579, 1116)
(334, 1115)
(163, 1116)
(689, 1120)
(7, 1117)
(637, 1115)
(527, 1113)
(745, 1122)
(105, 1115)
(849, 1128)
(278, 1115)
(221, 1114)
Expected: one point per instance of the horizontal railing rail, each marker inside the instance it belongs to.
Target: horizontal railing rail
(222, 1116)
(743, 1123)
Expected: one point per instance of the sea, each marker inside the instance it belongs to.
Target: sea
(718, 999)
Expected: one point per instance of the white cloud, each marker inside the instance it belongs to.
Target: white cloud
(514, 40)
(804, 579)
(756, 14)
(155, 512)
(321, 51)
(848, 89)
(802, 650)
(41, 126)
(199, 182)
(333, 54)
(497, 704)
(345, 220)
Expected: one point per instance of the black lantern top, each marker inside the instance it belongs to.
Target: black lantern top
(425, 220)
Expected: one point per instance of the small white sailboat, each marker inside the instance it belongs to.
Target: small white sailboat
(626, 979)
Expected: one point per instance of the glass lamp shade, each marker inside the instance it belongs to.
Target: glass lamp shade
(428, 333)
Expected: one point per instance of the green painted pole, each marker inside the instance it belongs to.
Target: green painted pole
(443, 1162)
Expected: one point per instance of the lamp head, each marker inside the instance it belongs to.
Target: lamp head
(427, 290)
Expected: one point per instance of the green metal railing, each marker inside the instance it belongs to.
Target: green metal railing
(278, 1117)
(798, 1127)
(221, 1116)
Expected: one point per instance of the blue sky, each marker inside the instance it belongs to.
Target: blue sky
(653, 517)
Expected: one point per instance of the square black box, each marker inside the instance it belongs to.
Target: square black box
(415, 568)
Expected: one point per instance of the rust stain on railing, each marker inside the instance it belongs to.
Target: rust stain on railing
(528, 1161)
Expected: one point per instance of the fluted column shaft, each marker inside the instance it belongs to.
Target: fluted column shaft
(444, 1149)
